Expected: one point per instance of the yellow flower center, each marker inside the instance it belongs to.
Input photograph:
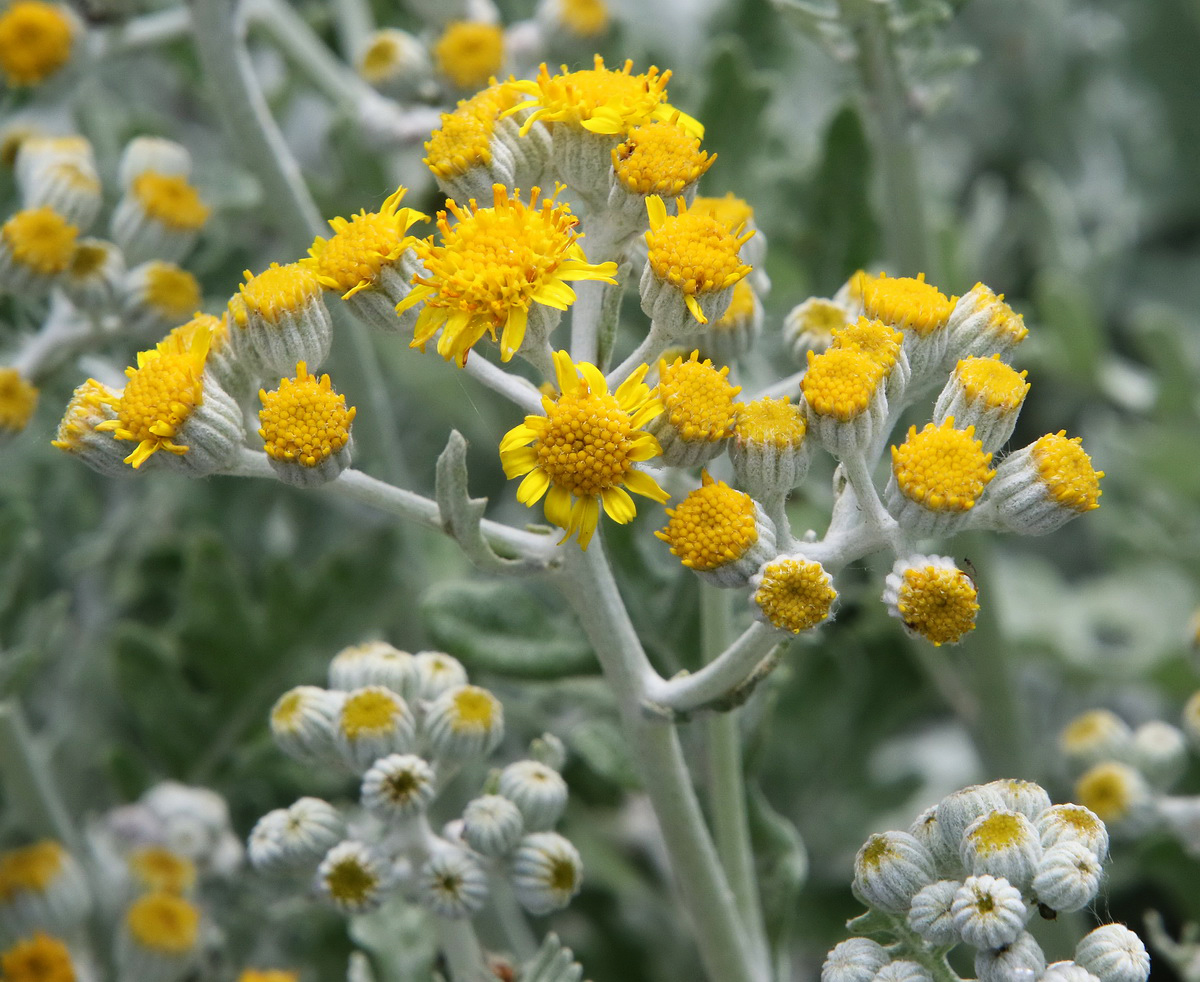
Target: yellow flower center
(942, 468)
(32, 868)
(712, 526)
(741, 307)
(350, 882)
(89, 258)
(353, 257)
(839, 383)
(876, 851)
(474, 709)
(564, 876)
(1090, 729)
(692, 251)
(586, 443)
(795, 594)
(464, 139)
(288, 712)
(470, 53)
(401, 786)
(38, 959)
(731, 211)
(164, 923)
(304, 420)
(268, 975)
(815, 320)
(18, 399)
(904, 302)
(170, 291)
(771, 421)
(1003, 322)
(370, 712)
(872, 338)
(698, 399)
(1082, 820)
(87, 407)
(937, 603)
(41, 239)
(585, 18)
(157, 868)
(1067, 472)
(279, 292)
(992, 382)
(1107, 790)
(659, 158)
(998, 831)
(170, 199)
(35, 41)
(383, 56)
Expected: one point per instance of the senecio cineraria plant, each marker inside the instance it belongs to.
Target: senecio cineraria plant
(566, 190)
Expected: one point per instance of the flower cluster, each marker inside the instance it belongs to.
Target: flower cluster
(403, 725)
(975, 869)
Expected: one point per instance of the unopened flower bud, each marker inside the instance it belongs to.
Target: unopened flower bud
(987, 394)
(546, 872)
(1026, 797)
(302, 723)
(1096, 736)
(988, 912)
(452, 883)
(1118, 794)
(1002, 843)
(159, 938)
(1020, 961)
(958, 810)
(927, 831)
(890, 869)
(436, 673)
(373, 722)
(353, 878)
(982, 325)
(1159, 751)
(296, 838)
(903, 970)
(1066, 971)
(699, 411)
(397, 786)
(769, 452)
(42, 888)
(1113, 953)
(854, 960)
(537, 790)
(1072, 823)
(1041, 487)
(492, 825)
(466, 722)
(373, 663)
(931, 914)
(279, 318)
(1068, 877)
(809, 326)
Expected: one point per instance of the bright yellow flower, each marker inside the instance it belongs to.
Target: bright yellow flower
(32, 867)
(40, 239)
(38, 959)
(170, 199)
(470, 53)
(163, 922)
(18, 399)
(584, 18)
(158, 868)
(464, 139)
(492, 266)
(581, 454)
(660, 157)
(35, 41)
(267, 975)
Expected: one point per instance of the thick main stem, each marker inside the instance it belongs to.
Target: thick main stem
(703, 888)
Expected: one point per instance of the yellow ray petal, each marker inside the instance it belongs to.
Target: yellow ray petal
(618, 505)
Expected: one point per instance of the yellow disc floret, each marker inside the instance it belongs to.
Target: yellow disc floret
(37, 959)
(492, 265)
(693, 252)
(938, 603)
(35, 41)
(795, 594)
(942, 468)
(157, 868)
(18, 399)
(840, 383)
(660, 158)
(170, 199)
(350, 882)
(776, 422)
(731, 211)
(475, 709)
(464, 139)
(371, 711)
(997, 832)
(162, 392)
(90, 404)
(1066, 470)
(279, 292)
(698, 399)
(170, 291)
(871, 337)
(304, 420)
(600, 100)
(1109, 789)
(352, 258)
(712, 526)
(40, 239)
(469, 53)
(163, 922)
(904, 302)
(581, 453)
(741, 307)
(31, 868)
(992, 383)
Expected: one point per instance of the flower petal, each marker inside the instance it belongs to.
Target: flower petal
(618, 505)
(642, 483)
(530, 490)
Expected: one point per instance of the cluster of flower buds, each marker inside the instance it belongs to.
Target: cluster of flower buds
(403, 725)
(1125, 774)
(975, 869)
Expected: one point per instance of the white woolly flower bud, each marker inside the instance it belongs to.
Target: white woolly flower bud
(854, 960)
(890, 869)
(931, 914)
(1041, 487)
(294, 839)
(1118, 794)
(157, 217)
(42, 888)
(95, 280)
(845, 400)
(353, 878)
(397, 786)
(809, 326)
(158, 939)
(982, 324)
(1021, 961)
(302, 723)
(1072, 823)
(928, 831)
(546, 872)
(1067, 971)
(373, 663)
(373, 722)
(1182, 818)
(154, 154)
(1002, 843)
(987, 394)
(1113, 953)
(1159, 751)
(278, 318)
(537, 790)
(492, 825)
(988, 912)
(1096, 736)
(62, 175)
(452, 883)
(463, 723)
(958, 810)
(394, 62)
(903, 970)
(264, 846)
(1068, 877)
(1026, 797)
(437, 672)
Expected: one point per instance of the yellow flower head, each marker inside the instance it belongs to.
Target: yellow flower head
(904, 302)
(492, 265)
(937, 602)
(660, 157)
(731, 211)
(694, 252)
(840, 383)
(389, 54)
(1066, 470)
(157, 868)
(581, 454)
(775, 422)
(18, 399)
(1097, 730)
(942, 468)
(31, 868)
(40, 239)
(873, 338)
(91, 403)
(600, 100)
(372, 711)
(698, 399)
(164, 923)
(352, 258)
(37, 959)
(267, 975)
(713, 526)
(464, 140)
(277, 293)
(584, 18)
(170, 199)
(1004, 326)
(35, 41)
(794, 594)
(162, 392)
(304, 420)
(470, 53)
(474, 709)
(1111, 790)
(169, 290)
(992, 383)
(740, 310)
